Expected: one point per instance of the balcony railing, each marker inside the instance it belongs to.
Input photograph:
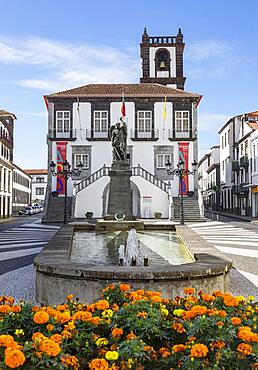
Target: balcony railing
(97, 135)
(162, 39)
(55, 135)
(244, 161)
(173, 134)
(235, 189)
(144, 135)
(235, 166)
(243, 188)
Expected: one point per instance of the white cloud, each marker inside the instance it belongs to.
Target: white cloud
(208, 49)
(66, 65)
(211, 122)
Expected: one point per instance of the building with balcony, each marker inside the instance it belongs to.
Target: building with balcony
(6, 162)
(161, 126)
(209, 178)
(236, 159)
(38, 184)
(21, 189)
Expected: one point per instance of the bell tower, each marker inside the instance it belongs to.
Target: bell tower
(162, 60)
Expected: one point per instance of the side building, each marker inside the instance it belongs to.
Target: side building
(21, 189)
(6, 162)
(209, 178)
(161, 126)
(38, 184)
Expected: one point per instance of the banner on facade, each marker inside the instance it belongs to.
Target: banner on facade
(184, 154)
(60, 158)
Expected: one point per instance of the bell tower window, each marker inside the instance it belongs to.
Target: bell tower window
(162, 63)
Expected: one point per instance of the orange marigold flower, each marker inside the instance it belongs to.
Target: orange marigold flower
(115, 307)
(235, 320)
(16, 309)
(245, 348)
(69, 297)
(208, 298)
(66, 334)
(49, 347)
(131, 336)
(142, 314)
(109, 287)
(148, 348)
(56, 338)
(37, 335)
(5, 309)
(218, 293)
(189, 291)
(178, 327)
(195, 311)
(124, 287)
(50, 327)
(140, 291)
(61, 307)
(102, 305)
(199, 350)
(14, 358)
(70, 361)
(220, 323)
(82, 315)
(222, 313)
(64, 317)
(164, 352)
(219, 344)
(230, 301)
(41, 317)
(6, 340)
(178, 348)
(116, 332)
(95, 320)
(156, 298)
(98, 364)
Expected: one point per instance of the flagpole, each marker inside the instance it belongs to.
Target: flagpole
(164, 115)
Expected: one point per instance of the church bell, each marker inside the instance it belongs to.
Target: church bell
(162, 65)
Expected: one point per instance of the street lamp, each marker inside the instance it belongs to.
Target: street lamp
(66, 172)
(180, 171)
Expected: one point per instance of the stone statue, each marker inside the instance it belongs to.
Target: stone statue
(118, 134)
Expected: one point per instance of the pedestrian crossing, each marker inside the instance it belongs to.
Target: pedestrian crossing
(20, 244)
(240, 244)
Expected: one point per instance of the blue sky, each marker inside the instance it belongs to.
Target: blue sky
(48, 46)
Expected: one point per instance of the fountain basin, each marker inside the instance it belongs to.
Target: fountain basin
(57, 275)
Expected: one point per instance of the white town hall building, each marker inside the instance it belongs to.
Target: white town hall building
(161, 124)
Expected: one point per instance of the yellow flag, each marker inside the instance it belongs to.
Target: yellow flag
(165, 109)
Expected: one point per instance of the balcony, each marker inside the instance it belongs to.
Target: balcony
(243, 188)
(152, 135)
(235, 166)
(174, 135)
(244, 161)
(54, 135)
(235, 189)
(92, 135)
(7, 141)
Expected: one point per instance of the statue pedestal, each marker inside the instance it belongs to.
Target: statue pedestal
(120, 193)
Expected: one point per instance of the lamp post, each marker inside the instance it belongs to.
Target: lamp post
(66, 172)
(180, 172)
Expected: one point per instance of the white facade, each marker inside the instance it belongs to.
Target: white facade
(254, 172)
(21, 189)
(38, 185)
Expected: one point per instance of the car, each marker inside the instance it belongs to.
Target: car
(27, 211)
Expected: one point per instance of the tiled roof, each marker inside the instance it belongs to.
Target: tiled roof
(36, 171)
(129, 90)
(6, 114)
(253, 113)
(253, 125)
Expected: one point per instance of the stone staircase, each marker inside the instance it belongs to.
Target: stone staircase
(191, 209)
(55, 210)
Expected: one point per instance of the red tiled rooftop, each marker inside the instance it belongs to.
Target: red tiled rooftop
(129, 90)
(36, 171)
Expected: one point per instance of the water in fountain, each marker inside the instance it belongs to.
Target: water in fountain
(129, 253)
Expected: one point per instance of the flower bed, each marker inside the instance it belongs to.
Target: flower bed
(128, 329)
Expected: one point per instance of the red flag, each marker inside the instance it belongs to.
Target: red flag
(46, 101)
(123, 106)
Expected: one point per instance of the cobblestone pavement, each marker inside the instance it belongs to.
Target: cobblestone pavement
(20, 241)
(239, 241)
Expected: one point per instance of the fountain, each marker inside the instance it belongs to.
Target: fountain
(82, 259)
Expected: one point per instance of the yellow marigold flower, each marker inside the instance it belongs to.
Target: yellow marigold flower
(14, 358)
(19, 332)
(124, 287)
(70, 325)
(107, 313)
(131, 336)
(178, 348)
(116, 332)
(49, 347)
(245, 348)
(251, 298)
(111, 355)
(235, 320)
(240, 298)
(178, 312)
(189, 291)
(100, 342)
(98, 364)
(64, 317)
(69, 297)
(70, 361)
(102, 305)
(199, 350)
(164, 311)
(41, 317)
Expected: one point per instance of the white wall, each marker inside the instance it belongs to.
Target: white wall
(172, 51)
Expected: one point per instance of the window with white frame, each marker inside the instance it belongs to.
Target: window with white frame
(162, 159)
(100, 123)
(39, 191)
(182, 123)
(144, 123)
(63, 121)
(81, 158)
